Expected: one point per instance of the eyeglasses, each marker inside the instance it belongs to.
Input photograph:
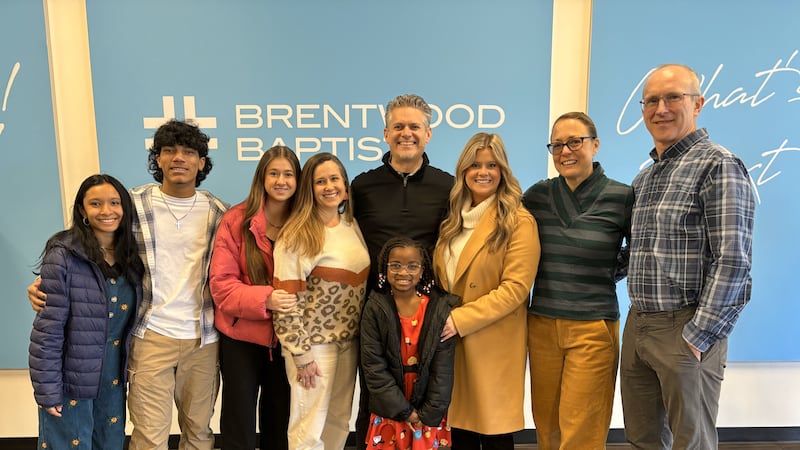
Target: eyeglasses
(574, 144)
(397, 267)
(669, 99)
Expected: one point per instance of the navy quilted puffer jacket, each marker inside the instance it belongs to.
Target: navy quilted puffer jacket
(69, 335)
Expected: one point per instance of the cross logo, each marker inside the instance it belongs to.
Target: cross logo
(168, 107)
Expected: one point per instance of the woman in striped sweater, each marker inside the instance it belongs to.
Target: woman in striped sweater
(573, 321)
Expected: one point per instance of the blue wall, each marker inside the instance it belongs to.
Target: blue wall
(748, 57)
(268, 60)
(239, 71)
(29, 185)
(262, 72)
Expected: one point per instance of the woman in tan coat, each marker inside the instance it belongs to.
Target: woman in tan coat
(487, 253)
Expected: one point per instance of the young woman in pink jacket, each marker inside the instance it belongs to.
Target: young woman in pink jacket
(253, 370)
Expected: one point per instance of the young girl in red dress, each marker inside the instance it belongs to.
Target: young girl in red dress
(406, 367)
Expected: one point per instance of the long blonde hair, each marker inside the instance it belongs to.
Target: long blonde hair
(304, 232)
(508, 198)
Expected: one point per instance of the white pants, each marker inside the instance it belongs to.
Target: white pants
(319, 418)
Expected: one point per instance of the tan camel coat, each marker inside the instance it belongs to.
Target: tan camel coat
(489, 385)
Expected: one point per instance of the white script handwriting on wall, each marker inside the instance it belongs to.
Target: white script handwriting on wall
(737, 96)
(7, 91)
(766, 172)
(765, 95)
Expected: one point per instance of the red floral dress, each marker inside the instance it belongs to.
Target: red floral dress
(389, 434)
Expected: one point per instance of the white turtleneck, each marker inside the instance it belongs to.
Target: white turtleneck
(470, 216)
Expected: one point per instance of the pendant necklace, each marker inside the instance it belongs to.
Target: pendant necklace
(177, 220)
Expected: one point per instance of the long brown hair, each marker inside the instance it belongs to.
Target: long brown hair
(257, 269)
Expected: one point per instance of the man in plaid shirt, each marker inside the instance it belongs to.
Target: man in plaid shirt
(689, 270)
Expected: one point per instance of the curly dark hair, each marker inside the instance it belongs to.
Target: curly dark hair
(426, 279)
(177, 132)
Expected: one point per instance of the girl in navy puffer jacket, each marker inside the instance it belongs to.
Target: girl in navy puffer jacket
(91, 274)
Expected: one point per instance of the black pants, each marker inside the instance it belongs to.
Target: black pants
(470, 440)
(247, 368)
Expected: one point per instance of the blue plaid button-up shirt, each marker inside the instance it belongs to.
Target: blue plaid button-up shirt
(691, 237)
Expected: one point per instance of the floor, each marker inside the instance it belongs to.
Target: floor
(724, 446)
(27, 443)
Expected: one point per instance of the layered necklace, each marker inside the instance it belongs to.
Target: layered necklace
(177, 219)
